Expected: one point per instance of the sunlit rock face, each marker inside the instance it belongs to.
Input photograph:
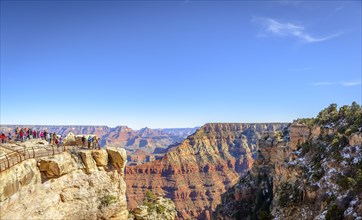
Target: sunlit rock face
(77, 185)
(196, 172)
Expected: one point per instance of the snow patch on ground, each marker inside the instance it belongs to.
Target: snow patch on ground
(333, 170)
(346, 155)
(356, 160)
(350, 210)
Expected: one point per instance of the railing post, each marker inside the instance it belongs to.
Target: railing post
(8, 161)
(19, 154)
(33, 152)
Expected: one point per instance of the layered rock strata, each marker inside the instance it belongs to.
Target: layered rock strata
(196, 172)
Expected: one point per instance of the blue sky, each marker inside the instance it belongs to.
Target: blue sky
(176, 63)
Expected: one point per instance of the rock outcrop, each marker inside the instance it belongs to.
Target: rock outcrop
(196, 172)
(154, 207)
(57, 166)
(118, 158)
(101, 157)
(77, 185)
(313, 172)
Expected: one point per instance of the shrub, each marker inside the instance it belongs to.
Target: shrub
(352, 115)
(330, 199)
(334, 213)
(327, 115)
(317, 165)
(317, 175)
(337, 156)
(150, 195)
(264, 215)
(335, 142)
(306, 121)
(108, 199)
(160, 209)
(289, 194)
(348, 132)
(345, 182)
(306, 147)
(150, 204)
(284, 194)
(358, 180)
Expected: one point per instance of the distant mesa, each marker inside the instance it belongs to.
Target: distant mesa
(146, 139)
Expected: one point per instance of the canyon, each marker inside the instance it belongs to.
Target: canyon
(195, 173)
(308, 169)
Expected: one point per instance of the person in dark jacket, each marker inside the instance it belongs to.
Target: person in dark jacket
(90, 141)
(9, 136)
(83, 140)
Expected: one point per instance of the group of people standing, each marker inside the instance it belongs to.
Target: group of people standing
(92, 142)
(24, 134)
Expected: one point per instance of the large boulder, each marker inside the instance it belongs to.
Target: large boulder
(100, 157)
(88, 161)
(69, 140)
(57, 165)
(118, 158)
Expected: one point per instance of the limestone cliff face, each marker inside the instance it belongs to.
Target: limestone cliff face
(312, 171)
(196, 172)
(77, 185)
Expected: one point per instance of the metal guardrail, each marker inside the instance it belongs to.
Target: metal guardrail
(17, 156)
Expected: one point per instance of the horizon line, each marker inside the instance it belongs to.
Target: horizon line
(69, 125)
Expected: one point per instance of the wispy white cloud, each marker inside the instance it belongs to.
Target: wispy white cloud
(354, 83)
(344, 83)
(287, 29)
(323, 83)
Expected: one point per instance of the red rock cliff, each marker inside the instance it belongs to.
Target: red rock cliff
(196, 172)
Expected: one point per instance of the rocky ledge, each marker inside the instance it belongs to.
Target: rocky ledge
(82, 184)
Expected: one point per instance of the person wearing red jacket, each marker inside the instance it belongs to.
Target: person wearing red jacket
(3, 138)
(21, 134)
